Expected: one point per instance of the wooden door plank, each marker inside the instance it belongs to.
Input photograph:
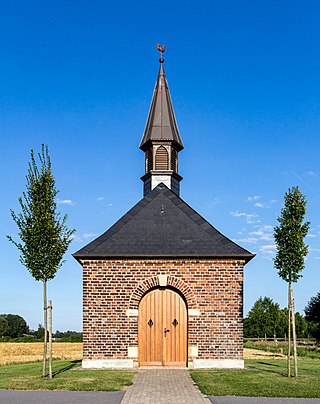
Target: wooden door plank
(176, 316)
(152, 328)
(184, 330)
(173, 298)
(149, 330)
(157, 327)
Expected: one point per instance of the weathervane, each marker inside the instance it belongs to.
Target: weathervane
(161, 49)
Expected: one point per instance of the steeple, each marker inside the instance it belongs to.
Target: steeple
(161, 140)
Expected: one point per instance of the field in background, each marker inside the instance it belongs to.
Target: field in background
(305, 348)
(21, 352)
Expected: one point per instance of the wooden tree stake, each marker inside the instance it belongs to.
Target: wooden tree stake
(294, 335)
(50, 337)
(45, 326)
(289, 330)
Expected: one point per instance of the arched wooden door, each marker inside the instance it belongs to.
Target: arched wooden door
(162, 329)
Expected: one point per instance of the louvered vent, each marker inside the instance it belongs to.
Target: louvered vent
(149, 160)
(174, 160)
(162, 159)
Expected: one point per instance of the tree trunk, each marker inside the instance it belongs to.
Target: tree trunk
(289, 329)
(50, 338)
(45, 326)
(294, 336)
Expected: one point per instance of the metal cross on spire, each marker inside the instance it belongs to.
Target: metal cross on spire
(161, 49)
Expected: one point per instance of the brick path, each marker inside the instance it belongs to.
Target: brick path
(163, 386)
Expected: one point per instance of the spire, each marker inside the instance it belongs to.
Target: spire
(161, 140)
(161, 122)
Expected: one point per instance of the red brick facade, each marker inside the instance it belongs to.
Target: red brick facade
(212, 289)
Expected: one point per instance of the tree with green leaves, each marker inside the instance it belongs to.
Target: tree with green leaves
(312, 311)
(39, 333)
(4, 326)
(263, 319)
(266, 319)
(16, 326)
(44, 236)
(302, 326)
(291, 252)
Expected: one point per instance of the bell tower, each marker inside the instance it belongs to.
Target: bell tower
(161, 140)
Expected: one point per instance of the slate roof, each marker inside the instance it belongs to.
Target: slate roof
(161, 122)
(162, 225)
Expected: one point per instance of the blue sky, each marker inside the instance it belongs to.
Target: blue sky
(244, 79)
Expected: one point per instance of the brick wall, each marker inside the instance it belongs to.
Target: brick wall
(212, 286)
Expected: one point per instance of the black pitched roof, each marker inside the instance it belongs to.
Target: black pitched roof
(162, 225)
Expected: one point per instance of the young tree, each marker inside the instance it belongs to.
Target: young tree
(312, 311)
(43, 232)
(291, 251)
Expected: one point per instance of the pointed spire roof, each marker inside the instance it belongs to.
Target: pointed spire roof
(161, 123)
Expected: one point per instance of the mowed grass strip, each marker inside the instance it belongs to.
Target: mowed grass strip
(21, 352)
(67, 375)
(261, 378)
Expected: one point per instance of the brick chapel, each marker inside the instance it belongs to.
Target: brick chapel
(162, 287)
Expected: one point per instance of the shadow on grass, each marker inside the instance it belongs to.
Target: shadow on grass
(66, 367)
(269, 364)
(273, 368)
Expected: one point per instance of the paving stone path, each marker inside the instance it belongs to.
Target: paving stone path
(161, 386)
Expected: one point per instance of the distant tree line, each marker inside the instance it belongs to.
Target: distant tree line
(68, 336)
(267, 319)
(14, 327)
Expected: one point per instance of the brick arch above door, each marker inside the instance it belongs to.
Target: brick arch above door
(156, 281)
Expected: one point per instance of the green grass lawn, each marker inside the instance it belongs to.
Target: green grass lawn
(67, 375)
(261, 378)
